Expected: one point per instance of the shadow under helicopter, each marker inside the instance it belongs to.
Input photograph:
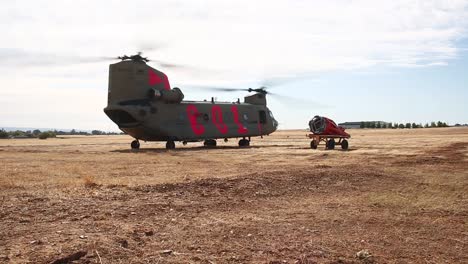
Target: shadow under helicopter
(337, 149)
(203, 148)
(198, 148)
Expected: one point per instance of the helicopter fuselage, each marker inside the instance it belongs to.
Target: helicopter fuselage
(142, 104)
(192, 120)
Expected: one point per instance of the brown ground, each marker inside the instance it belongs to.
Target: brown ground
(402, 195)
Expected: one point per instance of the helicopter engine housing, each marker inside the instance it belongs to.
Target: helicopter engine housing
(172, 96)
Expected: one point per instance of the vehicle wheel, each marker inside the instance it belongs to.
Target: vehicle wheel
(331, 144)
(344, 144)
(313, 144)
(170, 145)
(209, 143)
(135, 144)
(213, 143)
(244, 143)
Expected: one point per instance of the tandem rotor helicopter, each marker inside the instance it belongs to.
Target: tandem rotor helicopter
(142, 104)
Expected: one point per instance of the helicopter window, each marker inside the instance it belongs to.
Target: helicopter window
(206, 117)
(262, 117)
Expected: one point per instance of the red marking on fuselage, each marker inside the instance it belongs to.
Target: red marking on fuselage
(192, 112)
(167, 86)
(217, 118)
(235, 113)
(154, 78)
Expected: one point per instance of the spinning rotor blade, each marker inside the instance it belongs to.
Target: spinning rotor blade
(170, 65)
(32, 58)
(24, 58)
(147, 47)
(262, 89)
(284, 99)
(219, 89)
(289, 100)
(77, 59)
(273, 82)
(150, 47)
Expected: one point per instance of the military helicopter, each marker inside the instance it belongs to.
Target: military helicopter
(142, 104)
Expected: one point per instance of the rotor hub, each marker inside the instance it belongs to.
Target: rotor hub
(261, 90)
(136, 58)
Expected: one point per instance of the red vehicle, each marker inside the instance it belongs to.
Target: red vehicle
(326, 130)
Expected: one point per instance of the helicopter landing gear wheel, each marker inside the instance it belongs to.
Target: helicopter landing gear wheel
(344, 144)
(313, 144)
(170, 144)
(244, 143)
(135, 144)
(209, 143)
(331, 144)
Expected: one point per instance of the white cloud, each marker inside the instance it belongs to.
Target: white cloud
(235, 40)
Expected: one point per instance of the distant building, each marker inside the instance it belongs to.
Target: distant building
(350, 125)
(358, 124)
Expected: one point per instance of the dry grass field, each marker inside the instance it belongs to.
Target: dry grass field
(399, 195)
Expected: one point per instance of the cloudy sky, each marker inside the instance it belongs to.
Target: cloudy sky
(399, 61)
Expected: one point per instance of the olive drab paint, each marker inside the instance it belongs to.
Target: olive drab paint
(143, 105)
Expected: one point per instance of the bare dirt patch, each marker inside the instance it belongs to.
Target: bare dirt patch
(90, 199)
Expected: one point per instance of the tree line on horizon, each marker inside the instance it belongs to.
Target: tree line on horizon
(377, 124)
(50, 133)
